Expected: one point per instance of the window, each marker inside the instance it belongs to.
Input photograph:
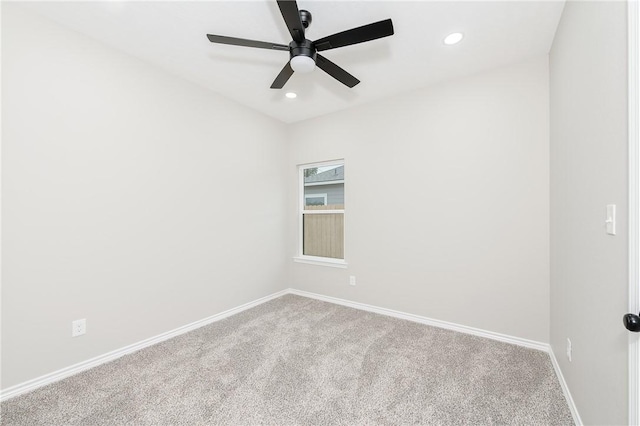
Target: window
(321, 213)
(315, 199)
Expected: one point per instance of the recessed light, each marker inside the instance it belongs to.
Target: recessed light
(453, 38)
(291, 95)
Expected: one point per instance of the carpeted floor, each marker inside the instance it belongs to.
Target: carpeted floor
(295, 360)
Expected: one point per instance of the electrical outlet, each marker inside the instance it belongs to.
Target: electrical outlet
(352, 280)
(569, 349)
(78, 327)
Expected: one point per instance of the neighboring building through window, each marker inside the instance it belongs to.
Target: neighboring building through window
(322, 211)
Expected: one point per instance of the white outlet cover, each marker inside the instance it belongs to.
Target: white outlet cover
(78, 327)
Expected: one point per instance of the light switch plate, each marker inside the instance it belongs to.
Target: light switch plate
(611, 219)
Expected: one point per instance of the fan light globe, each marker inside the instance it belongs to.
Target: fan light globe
(302, 64)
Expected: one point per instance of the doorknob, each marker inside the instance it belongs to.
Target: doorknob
(631, 322)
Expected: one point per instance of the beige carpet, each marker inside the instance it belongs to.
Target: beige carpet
(296, 360)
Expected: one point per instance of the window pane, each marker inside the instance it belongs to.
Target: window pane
(323, 235)
(324, 186)
(315, 200)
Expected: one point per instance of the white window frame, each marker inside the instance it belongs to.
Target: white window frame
(316, 260)
(324, 196)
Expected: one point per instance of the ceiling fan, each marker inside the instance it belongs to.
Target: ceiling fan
(303, 53)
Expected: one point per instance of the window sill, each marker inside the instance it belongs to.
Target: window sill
(321, 261)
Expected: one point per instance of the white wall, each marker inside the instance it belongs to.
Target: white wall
(447, 198)
(131, 198)
(588, 93)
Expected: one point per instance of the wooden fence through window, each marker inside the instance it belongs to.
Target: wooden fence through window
(324, 233)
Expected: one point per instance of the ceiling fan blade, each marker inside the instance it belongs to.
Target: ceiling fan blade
(335, 71)
(291, 15)
(356, 35)
(246, 43)
(283, 77)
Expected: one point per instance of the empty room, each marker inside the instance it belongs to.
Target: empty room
(320, 212)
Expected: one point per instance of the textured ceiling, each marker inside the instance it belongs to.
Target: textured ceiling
(172, 35)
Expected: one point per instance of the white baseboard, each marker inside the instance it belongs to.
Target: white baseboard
(110, 356)
(565, 389)
(532, 344)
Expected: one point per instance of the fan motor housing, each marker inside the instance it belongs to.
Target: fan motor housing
(304, 48)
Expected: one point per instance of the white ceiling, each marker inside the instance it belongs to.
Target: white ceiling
(172, 35)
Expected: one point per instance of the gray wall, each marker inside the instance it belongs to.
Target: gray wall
(462, 233)
(588, 91)
(117, 206)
